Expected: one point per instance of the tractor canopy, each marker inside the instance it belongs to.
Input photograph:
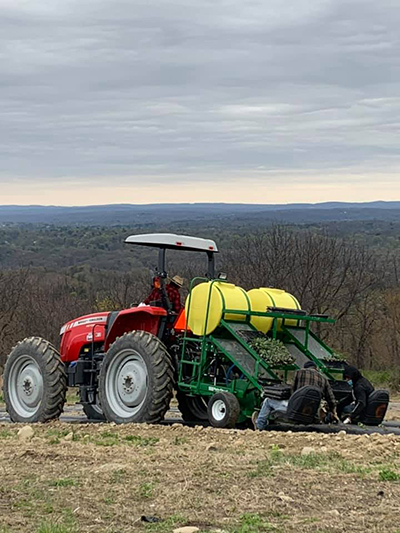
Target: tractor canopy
(173, 241)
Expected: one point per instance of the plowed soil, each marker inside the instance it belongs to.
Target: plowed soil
(105, 478)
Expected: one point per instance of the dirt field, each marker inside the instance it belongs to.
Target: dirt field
(394, 409)
(107, 477)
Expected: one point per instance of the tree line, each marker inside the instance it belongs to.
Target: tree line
(329, 275)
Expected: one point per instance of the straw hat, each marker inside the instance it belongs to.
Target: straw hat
(177, 280)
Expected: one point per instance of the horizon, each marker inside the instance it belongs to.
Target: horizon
(198, 204)
(249, 191)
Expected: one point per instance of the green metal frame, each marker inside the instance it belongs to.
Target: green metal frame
(247, 388)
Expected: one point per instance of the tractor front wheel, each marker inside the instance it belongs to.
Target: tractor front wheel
(136, 379)
(223, 410)
(35, 383)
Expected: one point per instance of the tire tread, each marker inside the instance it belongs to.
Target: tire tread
(163, 375)
(54, 380)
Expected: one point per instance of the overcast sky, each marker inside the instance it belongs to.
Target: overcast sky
(107, 101)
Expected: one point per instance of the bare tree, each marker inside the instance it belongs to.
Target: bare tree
(12, 289)
(328, 275)
(119, 290)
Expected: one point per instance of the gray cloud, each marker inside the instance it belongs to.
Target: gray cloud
(115, 88)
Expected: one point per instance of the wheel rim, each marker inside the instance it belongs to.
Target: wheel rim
(25, 386)
(218, 410)
(126, 383)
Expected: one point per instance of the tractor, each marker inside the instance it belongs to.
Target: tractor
(128, 363)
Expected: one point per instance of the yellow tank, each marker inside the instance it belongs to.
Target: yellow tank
(221, 296)
(265, 297)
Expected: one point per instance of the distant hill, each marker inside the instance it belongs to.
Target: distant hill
(159, 214)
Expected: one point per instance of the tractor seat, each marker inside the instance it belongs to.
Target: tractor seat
(302, 407)
(375, 411)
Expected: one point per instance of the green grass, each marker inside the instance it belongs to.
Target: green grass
(253, 523)
(332, 461)
(6, 434)
(48, 527)
(146, 490)
(66, 482)
(137, 440)
(178, 441)
(35, 501)
(385, 379)
(54, 436)
(386, 474)
(108, 438)
(118, 476)
(327, 462)
(60, 433)
(72, 396)
(109, 500)
(264, 469)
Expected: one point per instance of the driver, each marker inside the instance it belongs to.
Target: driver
(172, 290)
(173, 293)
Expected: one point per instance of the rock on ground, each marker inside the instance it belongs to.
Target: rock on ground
(26, 433)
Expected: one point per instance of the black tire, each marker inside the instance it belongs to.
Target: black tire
(223, 410)
(192, 408)
(35, 382)
(136, 379)
(94, 412)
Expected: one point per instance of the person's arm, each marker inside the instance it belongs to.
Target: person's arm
(177, 302)
(329, 396)
(295, 383)
(152, 297)
(361, 402)
(174, 299)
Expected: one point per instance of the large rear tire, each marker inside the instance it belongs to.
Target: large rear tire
(35, 382)
(136, 379)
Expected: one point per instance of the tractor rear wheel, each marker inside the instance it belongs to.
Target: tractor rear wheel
(223, 410)
(192, 408)
(35, 382)
(136, 379)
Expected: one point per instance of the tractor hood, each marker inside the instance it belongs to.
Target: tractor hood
(86, 320)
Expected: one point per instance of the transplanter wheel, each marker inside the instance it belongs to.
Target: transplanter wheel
(136, 379)
(223, 410)
(35, 383)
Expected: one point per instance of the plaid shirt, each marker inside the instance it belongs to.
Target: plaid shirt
(173, 296)
(311, 377)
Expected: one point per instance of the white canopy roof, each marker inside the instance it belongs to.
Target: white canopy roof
(170, 240)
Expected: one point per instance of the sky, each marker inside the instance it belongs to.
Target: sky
(138, 101)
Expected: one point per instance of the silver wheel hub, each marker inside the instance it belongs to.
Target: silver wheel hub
(25, 386)
(218, 410)
(126, 383)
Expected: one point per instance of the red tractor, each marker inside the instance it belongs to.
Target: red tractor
(123, 362)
